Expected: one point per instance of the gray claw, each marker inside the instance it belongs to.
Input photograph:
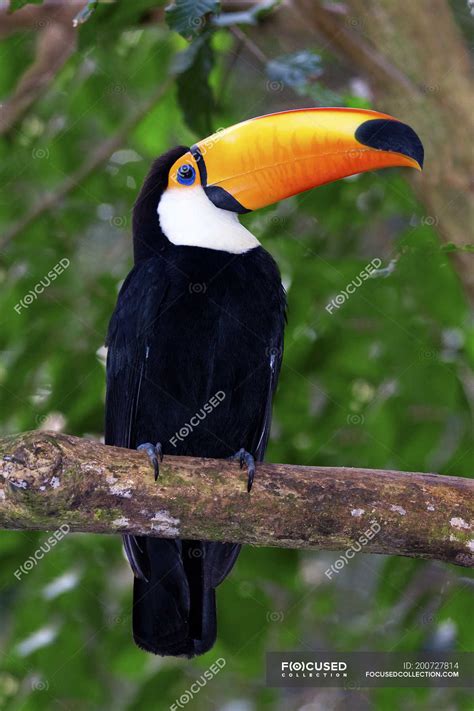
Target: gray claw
(155, 454)
(245, 457)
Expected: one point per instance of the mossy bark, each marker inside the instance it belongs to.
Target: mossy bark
(49, 479)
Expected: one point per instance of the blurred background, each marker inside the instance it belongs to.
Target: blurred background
(90, 94)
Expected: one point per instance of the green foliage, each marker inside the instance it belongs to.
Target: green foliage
(381, 381)
(194, 65)
(109, 20)
(18, 4)
(304, 71)
(296, 70)
(190, 17)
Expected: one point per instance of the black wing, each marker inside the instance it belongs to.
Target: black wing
(274, 366)
(138, 306)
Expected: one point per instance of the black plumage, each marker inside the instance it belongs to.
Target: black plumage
(190, 322)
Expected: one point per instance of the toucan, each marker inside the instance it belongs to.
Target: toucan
(195, 343)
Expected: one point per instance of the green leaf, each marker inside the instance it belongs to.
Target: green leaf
(107, 21)
(18, 4)
(301, 71)
(247, 17)
(182, 61)
(190, 17)
(296, 70)
(194, 92)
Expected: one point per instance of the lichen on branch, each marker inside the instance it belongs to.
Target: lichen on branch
(49, 479)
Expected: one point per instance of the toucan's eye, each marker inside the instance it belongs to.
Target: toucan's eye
(186, 174)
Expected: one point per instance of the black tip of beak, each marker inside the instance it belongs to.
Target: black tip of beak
(387, 135)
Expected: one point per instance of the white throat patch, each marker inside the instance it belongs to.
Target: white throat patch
(188, 217)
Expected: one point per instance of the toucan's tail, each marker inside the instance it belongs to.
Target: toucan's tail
(174, 608)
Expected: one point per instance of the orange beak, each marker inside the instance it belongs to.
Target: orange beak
(266, 159)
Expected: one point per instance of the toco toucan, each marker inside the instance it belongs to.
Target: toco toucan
(197, 332)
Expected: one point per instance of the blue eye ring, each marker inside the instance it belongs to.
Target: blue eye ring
(186, 174)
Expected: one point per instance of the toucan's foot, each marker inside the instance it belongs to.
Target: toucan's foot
(155, 454)
(245, 457)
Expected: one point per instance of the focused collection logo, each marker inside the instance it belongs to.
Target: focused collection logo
(313, 668)
(365, 670)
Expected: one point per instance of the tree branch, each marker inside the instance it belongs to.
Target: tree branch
(55, 44)
(49, 479)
